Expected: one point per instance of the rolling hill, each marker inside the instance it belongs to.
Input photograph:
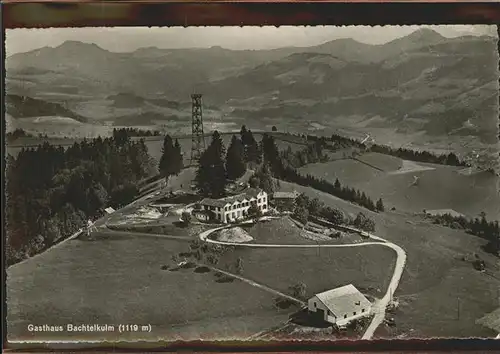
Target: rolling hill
(19, 107)
(420, 82)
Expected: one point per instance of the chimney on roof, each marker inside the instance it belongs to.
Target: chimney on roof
(358, 302)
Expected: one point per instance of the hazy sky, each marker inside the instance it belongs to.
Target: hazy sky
(123, 39)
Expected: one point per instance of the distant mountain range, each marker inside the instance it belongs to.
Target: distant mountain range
(421, 82)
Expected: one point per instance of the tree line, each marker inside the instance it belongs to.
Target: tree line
(450, 159)
(479, 226)
(52, 191)
(134, 132)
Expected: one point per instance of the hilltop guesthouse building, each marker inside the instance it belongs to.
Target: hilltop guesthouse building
(340, 306)
(235, 207)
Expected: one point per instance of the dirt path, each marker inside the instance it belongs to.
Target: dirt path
(379, 307)
(104, 230)
(263, 287)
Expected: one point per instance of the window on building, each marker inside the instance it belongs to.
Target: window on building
(354, 313)
(345, 316)
(363, 310)
(233, 214)
(329, 312)
(315, 305)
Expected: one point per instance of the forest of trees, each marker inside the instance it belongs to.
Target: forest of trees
(312, 153)
(217, 167)
(489, 230)
(211, 179)
(306, 207)
(51, 192)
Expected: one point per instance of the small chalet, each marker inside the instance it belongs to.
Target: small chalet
(340, 306)
(285, 200)
(202, 215)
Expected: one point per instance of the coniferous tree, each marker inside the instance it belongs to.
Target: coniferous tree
(167, 166)
(178, 160)
(235, 165)
(380, 205)
(337, 185)
(263, 179)
(271, 155)
(211, 174)
(239, 266)
(252, 153)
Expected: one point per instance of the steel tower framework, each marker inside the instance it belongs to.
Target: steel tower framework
(197, 137)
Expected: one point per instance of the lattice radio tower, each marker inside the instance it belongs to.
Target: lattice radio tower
(198, 138)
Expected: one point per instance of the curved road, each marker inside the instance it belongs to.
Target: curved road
(379, 307)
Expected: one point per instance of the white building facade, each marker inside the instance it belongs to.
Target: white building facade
(340, 306)
(236, 207)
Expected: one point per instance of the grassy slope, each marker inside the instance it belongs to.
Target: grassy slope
(437, 189)
(368, 268)
(120, 281)
(433, 274)
(21, 107)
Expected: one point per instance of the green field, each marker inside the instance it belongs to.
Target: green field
(435, 277)
(369, 268)
(120, 280)
(441, 188)
(435, 274)
(328, 199)
(384, 162)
